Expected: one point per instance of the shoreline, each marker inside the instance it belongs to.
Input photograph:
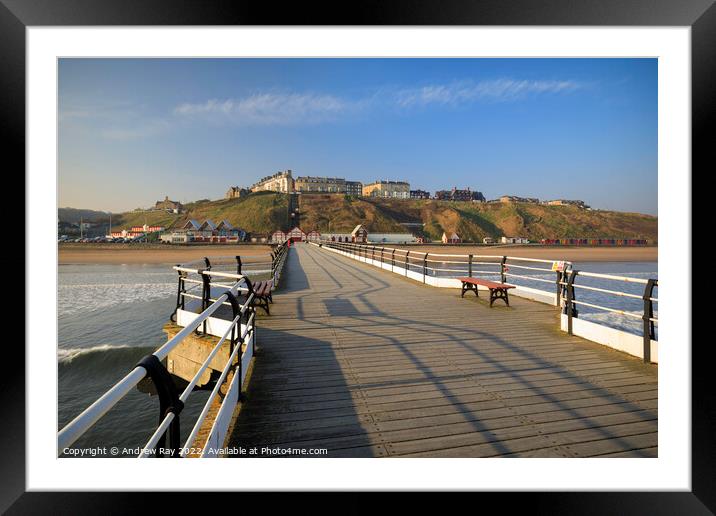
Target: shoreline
(137, 254)
(88, 254)
(567, 253)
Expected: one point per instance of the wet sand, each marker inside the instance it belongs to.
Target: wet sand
(567, 253)
(153, 253)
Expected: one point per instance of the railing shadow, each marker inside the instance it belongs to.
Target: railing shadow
(435, 330)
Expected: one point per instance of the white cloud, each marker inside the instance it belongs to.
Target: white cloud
(310, 108)
(269, 109)
(469, 91)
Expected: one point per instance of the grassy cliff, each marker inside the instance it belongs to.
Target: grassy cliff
(472, 221)
(261, 212)
(264, 212)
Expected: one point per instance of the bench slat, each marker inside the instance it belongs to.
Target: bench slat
(485, 283)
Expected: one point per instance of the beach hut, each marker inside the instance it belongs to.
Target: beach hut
(296, 235)
(452, 239)
(278, 237)
(313, 236)
(359, 234)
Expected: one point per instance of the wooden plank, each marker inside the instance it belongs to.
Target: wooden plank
(366, 363)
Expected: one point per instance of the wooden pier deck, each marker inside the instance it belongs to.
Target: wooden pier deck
(365, 363)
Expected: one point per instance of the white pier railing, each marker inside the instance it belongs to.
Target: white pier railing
(219, 288)
(530, 277)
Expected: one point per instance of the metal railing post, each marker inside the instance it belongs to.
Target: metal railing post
(647, 318)
(569, 307)
(238, 265)
(392, 260)
(181, 290)
(168, 402)
(469, 265)
(503, 276)
(425, 266)
(559, 288)
(205, 295)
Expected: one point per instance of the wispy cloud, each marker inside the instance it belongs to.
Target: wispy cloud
(270, 109)
(125, 121)
(490, 90)
(312, 108)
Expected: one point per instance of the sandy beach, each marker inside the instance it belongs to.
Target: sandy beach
(153, 253)
(572, 254)
(157, 253)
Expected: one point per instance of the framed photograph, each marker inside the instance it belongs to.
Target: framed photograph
(388, 253)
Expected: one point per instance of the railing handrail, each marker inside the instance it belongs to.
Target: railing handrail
(88, 417)
(164, 425)
(564, 283)
(69, 434)
(408, 252)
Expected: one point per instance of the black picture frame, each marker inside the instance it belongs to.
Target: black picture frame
(700, 15)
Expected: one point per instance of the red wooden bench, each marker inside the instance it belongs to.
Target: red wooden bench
(263, 295)
(497, 290)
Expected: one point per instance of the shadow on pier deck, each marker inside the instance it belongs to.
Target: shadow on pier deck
(365, 363)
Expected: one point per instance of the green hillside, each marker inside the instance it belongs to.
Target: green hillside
(264, 212)
(260, 212)
(472, 221)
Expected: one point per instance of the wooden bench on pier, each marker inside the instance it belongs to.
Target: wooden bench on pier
(263, 294)
(497, 290)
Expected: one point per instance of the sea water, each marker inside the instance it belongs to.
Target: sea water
(110, 316)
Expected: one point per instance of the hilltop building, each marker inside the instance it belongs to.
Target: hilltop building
(567, 202)
(354, 188)
(389, 189)
(419, 194)
(169, 205)
(236, 192)
(514, 198)
(279, 182)
(309, 184)
(459, 195)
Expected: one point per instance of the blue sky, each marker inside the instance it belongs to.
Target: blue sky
(134, 130)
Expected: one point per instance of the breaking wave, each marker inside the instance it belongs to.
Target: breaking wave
(76, 298)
